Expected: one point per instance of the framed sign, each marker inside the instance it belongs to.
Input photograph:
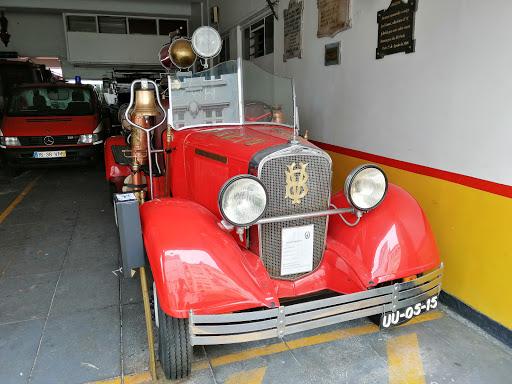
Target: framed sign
(333, 17)
(332, 53)
(293, 30)
(396, 28)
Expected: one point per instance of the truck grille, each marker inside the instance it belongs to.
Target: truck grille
(273, 174)
(39, 140)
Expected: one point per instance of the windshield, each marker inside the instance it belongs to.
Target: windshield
(51, 101)
(215, 96)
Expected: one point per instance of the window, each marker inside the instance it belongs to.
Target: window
(112, 24)
(81, 23)
(258, 38)
(166, 26)
(224, 52)
(122, 25)
(142, 26)
(213, 116)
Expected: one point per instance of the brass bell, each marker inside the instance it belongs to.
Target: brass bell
(181, 53)
(145, 103)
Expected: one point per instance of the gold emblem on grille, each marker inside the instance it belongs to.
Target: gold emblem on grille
(296, 187)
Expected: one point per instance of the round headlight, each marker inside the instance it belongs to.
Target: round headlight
(242, 200)
(366, 187)
(206, 42)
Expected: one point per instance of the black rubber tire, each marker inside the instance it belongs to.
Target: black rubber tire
(174, 347)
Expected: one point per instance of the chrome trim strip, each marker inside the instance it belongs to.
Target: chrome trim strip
(286, 320)
(240, 91)
(304, 215)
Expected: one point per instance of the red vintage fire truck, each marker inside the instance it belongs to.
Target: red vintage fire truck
(244, 236)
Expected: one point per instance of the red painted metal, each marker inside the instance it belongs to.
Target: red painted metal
(197, 265)
(55, 126)
(114, 170)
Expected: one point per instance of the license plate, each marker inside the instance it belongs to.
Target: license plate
(48, 154)
(402, 315)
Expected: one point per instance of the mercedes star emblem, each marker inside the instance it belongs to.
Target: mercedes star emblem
(48, 140)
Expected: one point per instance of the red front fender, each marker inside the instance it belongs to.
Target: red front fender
(391, 242)
(198, 266)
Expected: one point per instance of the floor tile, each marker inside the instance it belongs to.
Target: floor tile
(82, 290)
(79, 348)
(135, 340)
(18, 346)
(37, 259)
(27, 297)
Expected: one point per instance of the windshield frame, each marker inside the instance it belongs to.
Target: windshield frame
(241, 118)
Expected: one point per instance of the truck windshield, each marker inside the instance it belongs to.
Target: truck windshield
(231, 93)
(50, 101)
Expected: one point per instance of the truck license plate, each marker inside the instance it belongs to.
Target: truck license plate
(402, 315)
(48, 154)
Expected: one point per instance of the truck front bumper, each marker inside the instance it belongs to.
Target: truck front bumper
(286, 320)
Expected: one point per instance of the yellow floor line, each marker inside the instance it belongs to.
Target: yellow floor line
(253, 376)
(313, 340)
(18, 199)
(251, 353)
(404, 360)
(144, 377)
(199, 365)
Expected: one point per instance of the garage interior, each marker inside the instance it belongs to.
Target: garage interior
(436, 120)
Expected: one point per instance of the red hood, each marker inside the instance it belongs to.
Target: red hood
(44, 126)
(240, 142)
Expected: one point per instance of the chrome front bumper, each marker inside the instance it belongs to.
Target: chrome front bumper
(285, 320)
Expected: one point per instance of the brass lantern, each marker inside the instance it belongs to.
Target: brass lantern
(181, 53)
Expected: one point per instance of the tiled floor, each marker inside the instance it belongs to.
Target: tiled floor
(67, 317)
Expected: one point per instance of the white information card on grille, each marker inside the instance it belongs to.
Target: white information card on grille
(297, 249)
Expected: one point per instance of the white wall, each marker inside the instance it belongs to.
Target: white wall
(447, 106)
(37, 30)
(36, 34)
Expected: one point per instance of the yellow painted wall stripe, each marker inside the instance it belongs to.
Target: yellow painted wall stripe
(404, 360)
(472, 229)
(254, 376)
(18, 199)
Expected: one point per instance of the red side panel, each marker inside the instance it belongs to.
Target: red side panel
(392, 241)
(198, 266)
(114, 170)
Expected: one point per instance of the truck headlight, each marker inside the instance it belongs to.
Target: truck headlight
(366, 186)
(88, 138)
(10, 141)
(242, 200)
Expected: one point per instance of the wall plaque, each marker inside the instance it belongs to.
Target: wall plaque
(333, 17)
(396, 28)
(332, 53)
(293, 30)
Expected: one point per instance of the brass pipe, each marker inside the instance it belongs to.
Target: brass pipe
(149, 324)
(168, 161)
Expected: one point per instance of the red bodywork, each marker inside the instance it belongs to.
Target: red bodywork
(65, 130)
(197, 265)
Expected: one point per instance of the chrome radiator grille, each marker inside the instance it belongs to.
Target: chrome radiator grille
(273, 174)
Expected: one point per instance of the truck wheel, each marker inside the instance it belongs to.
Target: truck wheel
(174, 346)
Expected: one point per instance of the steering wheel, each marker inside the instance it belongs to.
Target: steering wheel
(268, 112)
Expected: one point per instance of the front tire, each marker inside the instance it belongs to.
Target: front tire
(174, 347)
